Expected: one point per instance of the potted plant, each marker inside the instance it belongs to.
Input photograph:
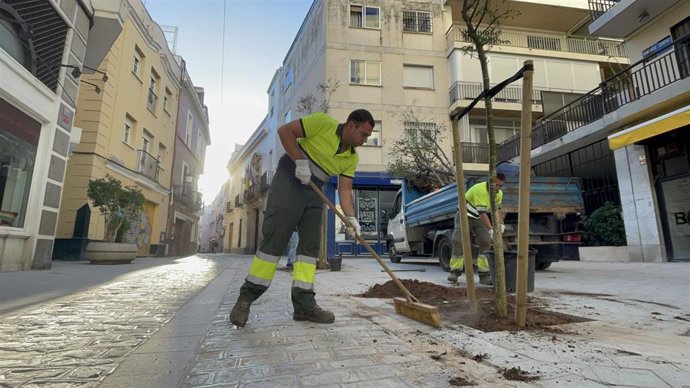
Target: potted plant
(604, 235)
(118, 204)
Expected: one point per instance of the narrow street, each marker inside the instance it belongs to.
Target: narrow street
(163, 323)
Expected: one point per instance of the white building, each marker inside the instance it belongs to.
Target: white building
(395, 57)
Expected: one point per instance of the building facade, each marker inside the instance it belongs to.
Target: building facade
(191, 139)
(400, 57)
(128, 132)
(636, 122)
(47, 49)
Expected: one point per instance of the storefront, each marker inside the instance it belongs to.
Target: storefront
(374, 194)
(653, 163)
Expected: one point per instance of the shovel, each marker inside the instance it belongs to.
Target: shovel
(408, 306)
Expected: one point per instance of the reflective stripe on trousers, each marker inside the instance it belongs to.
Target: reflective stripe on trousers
(458, 263)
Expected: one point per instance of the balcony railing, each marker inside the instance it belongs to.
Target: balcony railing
(148, 165)
(187, 195)
(599, 7)
(641, 79)
(579, 45)
(475, 152)
(462, 90)
(229, 206)
(266, 179)
(238, 201)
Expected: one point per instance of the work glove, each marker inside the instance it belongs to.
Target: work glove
(503, 228)
(491, 234)
(302, 171)
(354, 230)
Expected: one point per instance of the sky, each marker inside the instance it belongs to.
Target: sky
(258, 34)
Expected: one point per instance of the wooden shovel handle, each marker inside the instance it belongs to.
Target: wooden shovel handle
(361, 240)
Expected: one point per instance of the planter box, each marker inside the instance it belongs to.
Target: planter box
(604, 254)
(110, 253)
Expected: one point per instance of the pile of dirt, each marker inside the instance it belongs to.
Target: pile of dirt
(455, 308)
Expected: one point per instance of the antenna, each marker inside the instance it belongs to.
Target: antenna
(171, 33)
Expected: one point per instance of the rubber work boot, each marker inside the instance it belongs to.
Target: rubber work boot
(315, 314)
(485, 278)
(240, 313)
(454, 275)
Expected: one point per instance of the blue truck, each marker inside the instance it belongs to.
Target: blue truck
(422, 223)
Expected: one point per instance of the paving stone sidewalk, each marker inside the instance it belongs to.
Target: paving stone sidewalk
(361, 349)
(76, 340)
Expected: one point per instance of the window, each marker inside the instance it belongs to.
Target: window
(375, 139)
(166, 99)
(416, 21)
(422, 132)
(136, 64)
(15, 42)
(415, 76)
(128, 130)
(19, 136)
(365, 72)
(503, 130)
(288, 80)
(188, 128)
(153, 92)
(364, 17)
(288, 116)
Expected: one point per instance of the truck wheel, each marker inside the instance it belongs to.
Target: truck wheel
(445, 249)
(542, 265)
(392, 253)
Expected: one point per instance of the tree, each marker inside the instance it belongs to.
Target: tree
(417, 155)
(117, 203)
(307, 103)
(482, 20)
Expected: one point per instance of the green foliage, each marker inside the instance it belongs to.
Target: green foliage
(117, 203)
(604, 227)
(417, 154)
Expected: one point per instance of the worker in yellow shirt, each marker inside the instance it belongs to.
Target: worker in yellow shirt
(478, 211)
(317, 147)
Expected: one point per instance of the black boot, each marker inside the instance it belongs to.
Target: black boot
(306, 308)
(485, 278)
(249, 292)
(314, 314)
(240, 313)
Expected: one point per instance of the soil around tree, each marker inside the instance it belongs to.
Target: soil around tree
(455, 308)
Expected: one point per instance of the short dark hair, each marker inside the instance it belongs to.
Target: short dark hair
(361, 116)
(501, 176)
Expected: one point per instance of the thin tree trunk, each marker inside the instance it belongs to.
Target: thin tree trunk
(499, 267)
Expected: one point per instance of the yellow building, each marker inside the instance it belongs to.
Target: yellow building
(128, 132)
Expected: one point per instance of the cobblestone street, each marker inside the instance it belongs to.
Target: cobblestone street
(165, 324)
(76, 340)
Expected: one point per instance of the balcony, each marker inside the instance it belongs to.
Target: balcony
(599, 7)
(149, 166)
(620, 18)
(462, 90)
(475, 152)
(238, 201)
(188, 196)
(266, 179)
(641, 79)
(548, 42)
(229, 206)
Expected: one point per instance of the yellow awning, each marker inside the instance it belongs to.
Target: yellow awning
(651, 128)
